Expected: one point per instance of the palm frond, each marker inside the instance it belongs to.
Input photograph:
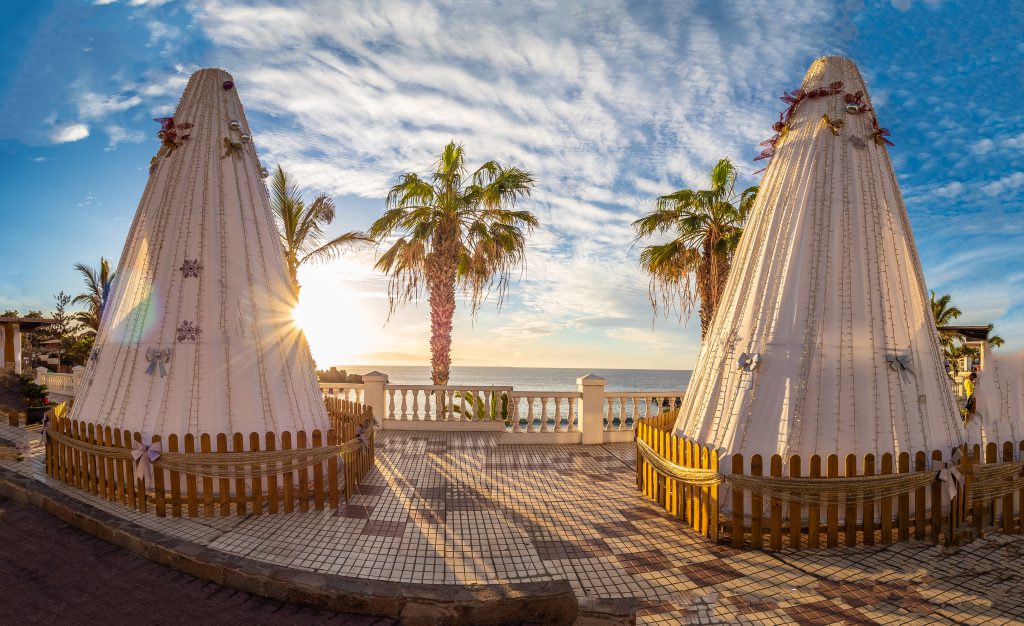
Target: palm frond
(333, 248)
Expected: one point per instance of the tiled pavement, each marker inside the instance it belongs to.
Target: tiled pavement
(459, 508)
(75, 578)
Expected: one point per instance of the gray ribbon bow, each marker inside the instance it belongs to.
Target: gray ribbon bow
(749, 362)
(900, 363)
(144, 455)
(950, 474)
(158, 359)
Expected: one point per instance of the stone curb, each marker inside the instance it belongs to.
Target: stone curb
(546, 602)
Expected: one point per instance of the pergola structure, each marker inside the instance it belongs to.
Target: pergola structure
(11, 329)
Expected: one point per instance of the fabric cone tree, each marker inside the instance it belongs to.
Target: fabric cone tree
(999, 394)
(198, 335)
(823, 342)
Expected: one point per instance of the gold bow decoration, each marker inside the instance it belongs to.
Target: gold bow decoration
(232, 147)
(831, 124)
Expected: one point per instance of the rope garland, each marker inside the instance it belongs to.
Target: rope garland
(993, 480)
(225, 464)
(794, 490)
(690, 475)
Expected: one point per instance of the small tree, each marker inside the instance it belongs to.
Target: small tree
(79, 351)
(64, 328)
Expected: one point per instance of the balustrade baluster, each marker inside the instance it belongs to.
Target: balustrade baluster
(513, 412)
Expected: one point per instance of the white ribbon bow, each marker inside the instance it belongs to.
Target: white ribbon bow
(157, 358)
(950, 474)
(144, 456)
(749, 362)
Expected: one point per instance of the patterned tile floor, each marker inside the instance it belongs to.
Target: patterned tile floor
(459, 508)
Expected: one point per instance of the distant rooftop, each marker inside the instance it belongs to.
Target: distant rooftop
(974, 333)
(28, 323)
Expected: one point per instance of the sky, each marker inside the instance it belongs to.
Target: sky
(609, 105)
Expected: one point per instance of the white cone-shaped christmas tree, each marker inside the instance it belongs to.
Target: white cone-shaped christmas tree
(198, 335)
(824, 342)
(999, 396)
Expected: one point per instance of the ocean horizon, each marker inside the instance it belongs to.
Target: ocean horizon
(534, 378)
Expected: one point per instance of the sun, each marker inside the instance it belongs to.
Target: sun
(334, 319)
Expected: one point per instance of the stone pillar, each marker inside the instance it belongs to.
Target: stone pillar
(375, 396)
(77, 372)
(40, 372)
(17, 349)
(591, 408)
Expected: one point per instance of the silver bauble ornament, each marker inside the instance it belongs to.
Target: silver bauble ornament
(246, 137)
(852, 108)
(234, 124)
(161, 134)
(264, 172)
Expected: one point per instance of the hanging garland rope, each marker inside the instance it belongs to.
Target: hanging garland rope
(689, 475)
(993, 480)
(799, 490)
(222, 464)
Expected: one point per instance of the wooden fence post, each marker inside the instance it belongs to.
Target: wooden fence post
(737, 503)
(795, 508)
(775, 507)
(869, 503)
(904, 500)
(272, 494)
(885, 507)
(851, 504)
(191, 485)
(175, 478)
(256, 481)
(756, 506)
(814, 508)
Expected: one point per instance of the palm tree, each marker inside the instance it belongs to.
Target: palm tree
(995, 340)
(944, 313)
(302, 227)
(97, 291)
(453, 231)
(706, 225)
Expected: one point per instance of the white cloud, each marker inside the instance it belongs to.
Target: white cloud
(65, 133)
(949, 190)
(94, 106)
(349, 94)
(1004, 184)
(117, 134)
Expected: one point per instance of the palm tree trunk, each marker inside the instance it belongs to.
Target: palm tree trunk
(706, 290)
(442, 266)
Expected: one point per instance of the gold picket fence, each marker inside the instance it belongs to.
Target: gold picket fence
(98, 460)
(925, 513)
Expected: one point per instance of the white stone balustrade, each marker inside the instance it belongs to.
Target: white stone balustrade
(623, 408)
(588, 415)
(63, 384)
(353, 392)
(445, 403)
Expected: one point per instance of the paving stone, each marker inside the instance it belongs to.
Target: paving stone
(461, 508)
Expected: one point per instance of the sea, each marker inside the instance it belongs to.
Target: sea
(534, 378)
